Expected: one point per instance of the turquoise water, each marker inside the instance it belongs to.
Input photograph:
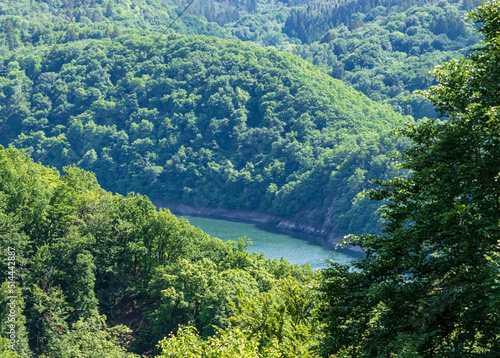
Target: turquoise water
(296, 248)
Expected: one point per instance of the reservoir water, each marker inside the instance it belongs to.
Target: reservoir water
(296, 248)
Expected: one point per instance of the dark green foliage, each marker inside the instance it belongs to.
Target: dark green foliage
(429, 286)
(311, 22)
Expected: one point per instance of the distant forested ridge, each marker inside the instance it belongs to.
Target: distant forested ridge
(309, 23)
(383, 48)
(206, 122)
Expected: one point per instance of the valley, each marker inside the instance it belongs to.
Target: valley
(173, 175)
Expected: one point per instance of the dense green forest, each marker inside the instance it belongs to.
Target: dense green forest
(384, 48)
(206, 122)
(429, 287)
(88, 262)
(209, 120)
(381, 48)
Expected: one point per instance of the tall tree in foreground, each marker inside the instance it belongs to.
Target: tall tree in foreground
(430, 286)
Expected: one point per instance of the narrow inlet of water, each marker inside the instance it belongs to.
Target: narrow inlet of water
(296, 248)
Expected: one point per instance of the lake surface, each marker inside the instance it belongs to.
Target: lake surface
(296, 248)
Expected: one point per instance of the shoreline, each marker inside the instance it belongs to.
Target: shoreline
(279, 223)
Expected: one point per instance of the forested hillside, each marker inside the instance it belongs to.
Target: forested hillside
(217, 122)
(384, 48)
(309, 23)
(87, 263)
(206, 122)
(140, 134)
(368, 44)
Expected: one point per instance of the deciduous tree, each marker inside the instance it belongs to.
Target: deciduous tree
(429, 286)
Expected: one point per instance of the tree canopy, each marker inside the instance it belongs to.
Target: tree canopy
(206, 122)
(429, 286)
(110, 274)
(383, 48)
(216, 122)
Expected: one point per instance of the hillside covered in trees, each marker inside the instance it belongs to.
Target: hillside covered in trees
(218, 122)
(138, 136)
(206, 122)
(88, 262)
(383, 48)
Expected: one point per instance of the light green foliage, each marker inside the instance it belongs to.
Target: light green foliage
(90, 252)
(229, 343)
(94, 339)
(282, 319)
(429, 287)
(5, 351)
(42, 24)
(202, 292)
(12, 306)
(184, 289)
(278, 323)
